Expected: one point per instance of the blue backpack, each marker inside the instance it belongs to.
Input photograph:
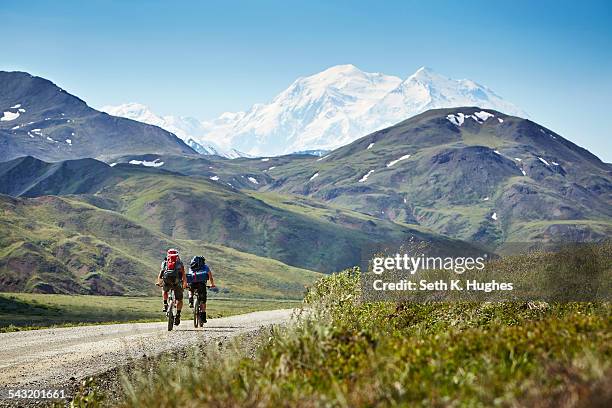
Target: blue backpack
(198, 271)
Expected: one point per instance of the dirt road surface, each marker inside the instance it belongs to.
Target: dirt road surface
(51, 357)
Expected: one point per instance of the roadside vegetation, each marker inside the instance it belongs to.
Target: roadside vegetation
(343, 352)
(28, 311)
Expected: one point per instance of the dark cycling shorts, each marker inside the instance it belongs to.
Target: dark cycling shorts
(200, 287)
(178, 290)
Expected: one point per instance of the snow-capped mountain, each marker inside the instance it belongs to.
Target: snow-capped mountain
(324, 111)
(426, 90)
(187, 128)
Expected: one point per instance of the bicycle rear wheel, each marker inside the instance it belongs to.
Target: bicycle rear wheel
(171, 310)
(170, 319)
(196, 312)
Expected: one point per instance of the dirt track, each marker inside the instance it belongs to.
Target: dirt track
(52, 357)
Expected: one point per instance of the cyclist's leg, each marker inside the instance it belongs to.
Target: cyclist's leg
(178, 295)
(203, 296)
(165, 290)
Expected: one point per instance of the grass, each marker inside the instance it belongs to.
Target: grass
(345, 352)
(26, 311)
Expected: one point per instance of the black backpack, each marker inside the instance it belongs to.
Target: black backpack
(197, 263)
(171, 275)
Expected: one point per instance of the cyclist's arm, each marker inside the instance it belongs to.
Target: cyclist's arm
(184, 275)
(160, 275)
(210, 277)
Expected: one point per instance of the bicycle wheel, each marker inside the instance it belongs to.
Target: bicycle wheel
(170, 319)
(196, 312)
(171, 310)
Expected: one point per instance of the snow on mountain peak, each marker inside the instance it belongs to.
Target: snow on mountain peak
(324, 111)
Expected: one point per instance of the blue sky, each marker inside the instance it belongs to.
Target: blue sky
(552, 58)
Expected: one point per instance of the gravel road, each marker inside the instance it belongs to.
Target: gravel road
(51, 357)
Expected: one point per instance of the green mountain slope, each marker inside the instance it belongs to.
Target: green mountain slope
(62, 245)
(197, 208)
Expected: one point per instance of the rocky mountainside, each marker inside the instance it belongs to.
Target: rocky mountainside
(37, 118)
(323, 111)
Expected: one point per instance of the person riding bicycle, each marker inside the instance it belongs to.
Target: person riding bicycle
(172, 276)
(197, 276)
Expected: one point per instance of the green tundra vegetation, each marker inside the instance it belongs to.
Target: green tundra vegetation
(344, 352)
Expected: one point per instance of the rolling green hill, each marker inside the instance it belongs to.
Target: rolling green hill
(285, 228)
(62, 245)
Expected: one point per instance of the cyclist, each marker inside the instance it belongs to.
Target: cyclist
(199, 273)
(172, 276)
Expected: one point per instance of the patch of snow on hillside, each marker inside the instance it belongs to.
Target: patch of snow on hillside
(494, 216)
(496, 152)
(322, 158)
(69, 141)
(15, 127)
(482, 115)
(253, 180)
(271, 168)
(265, 159)
(9, 116)
(544, 161)
(37, 132)
(370, 146)
(113, 164)
(16, 106)
(485, 199)
(214, 178)
(155, 163)
(49, 139)
(314, 176)
(518, 160)
(457, 119)
(500, 120)
(365, 176)
(524, 172)
(554, 163)
(393, 162)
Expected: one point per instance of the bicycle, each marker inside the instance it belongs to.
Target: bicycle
(198, 317)
(170, 311)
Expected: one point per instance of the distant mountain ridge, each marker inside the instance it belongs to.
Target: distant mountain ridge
(325, 111)
(40, 119)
